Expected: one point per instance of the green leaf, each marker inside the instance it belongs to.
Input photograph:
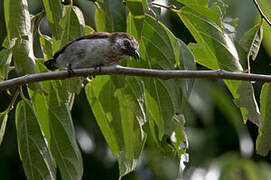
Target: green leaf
(40, 105)
(214, 48)
(231, 163)
(19, 30)
(178, 137)
(132, 120)
(63, 144)
(110, 16)
(101, 21)
(246, 101)
(3, 123)
(162, 98)
(186, 62)
(135, 7)
(5, 59)
(105, 106)
(120, 118)
(53, 113)
(251, 41)
(213, 13)
(73, 24)
(263, 144)
(88, 30)
(46, 46)
(33, 150)
(203, 3)
(159, 105)
(266, 6)
(54, 13)
(3, 31)
(135, 25)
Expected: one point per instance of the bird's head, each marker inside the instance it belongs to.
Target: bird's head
(127, 44)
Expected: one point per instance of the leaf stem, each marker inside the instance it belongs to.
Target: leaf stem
(37, 24)
(13, 100)
(164, 6)
(261, 12)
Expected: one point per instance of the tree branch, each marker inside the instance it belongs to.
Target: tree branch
(120, 70)
(261, 12)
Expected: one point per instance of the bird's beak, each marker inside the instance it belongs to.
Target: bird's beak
(135, 54)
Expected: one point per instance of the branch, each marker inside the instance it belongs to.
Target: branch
(261, 12)
(120, 70)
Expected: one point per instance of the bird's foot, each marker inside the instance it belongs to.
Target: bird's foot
(99, 67)
(70, 71)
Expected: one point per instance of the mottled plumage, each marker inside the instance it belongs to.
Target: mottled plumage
(97, 49)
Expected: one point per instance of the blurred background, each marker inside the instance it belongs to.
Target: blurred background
(220, 145)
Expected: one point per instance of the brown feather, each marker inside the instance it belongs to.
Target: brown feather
(114, 35)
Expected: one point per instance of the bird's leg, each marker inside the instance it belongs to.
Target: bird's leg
(99, 66)
(70, 71)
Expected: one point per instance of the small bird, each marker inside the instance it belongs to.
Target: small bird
(94, 50)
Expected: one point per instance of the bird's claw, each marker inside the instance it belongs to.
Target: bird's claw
(70, 71)
(98, 67)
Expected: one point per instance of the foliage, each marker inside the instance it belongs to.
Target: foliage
(133, 113)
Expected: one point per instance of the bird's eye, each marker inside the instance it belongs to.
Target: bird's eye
(127, 44)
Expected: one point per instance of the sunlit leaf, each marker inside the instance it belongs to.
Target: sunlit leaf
(214, 48)
(88, 30)
(33, 149)
(105, 106)
(120, 117)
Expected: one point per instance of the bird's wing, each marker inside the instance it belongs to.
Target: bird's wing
(98, 35)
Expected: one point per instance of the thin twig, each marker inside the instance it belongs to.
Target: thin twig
(163, 6)
(154, 73)
(13, 100)
(40, 15)
(261, 12)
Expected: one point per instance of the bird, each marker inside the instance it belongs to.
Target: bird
(94, 50)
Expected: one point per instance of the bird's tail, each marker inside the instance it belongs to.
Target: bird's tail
(51, 64)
